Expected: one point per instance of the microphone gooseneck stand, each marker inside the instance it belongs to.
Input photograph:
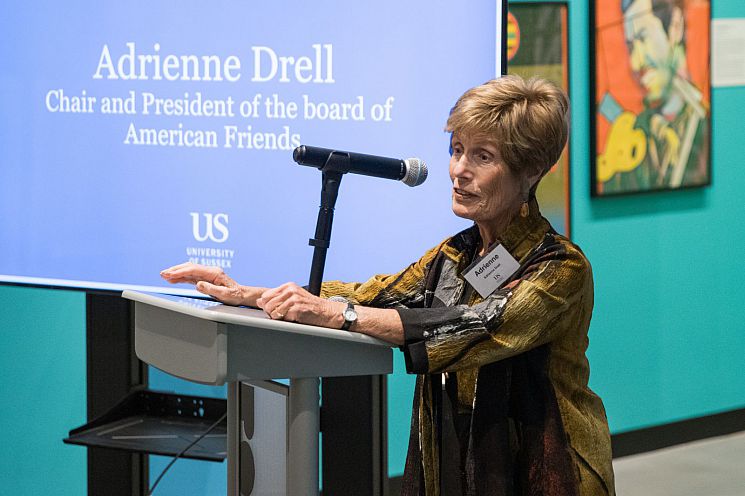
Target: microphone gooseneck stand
(336, 166)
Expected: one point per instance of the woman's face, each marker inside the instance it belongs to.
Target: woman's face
(485, 190)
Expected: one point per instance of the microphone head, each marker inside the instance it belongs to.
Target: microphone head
(416, 172)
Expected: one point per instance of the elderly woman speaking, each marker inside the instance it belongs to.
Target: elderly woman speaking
(493, 320)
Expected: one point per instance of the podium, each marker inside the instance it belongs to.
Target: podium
(210, 343)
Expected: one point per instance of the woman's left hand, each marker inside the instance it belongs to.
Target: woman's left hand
(292, 303)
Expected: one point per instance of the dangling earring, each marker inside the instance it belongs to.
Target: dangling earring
(524, 209)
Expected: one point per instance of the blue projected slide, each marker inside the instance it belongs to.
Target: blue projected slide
(137, 135)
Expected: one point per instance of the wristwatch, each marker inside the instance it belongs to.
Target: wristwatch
(349, 313)
(350, 317)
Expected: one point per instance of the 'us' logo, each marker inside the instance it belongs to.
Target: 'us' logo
(212, 223)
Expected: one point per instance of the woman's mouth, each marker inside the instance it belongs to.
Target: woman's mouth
(461, 194)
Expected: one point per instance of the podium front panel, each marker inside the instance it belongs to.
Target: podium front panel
(187, 347)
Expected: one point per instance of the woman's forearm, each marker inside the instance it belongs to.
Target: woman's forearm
(293, 303)
(381, 323)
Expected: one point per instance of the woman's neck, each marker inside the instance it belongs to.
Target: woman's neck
(490, 231)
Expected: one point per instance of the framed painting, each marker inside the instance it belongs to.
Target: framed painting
(537, 39)
(651, 95)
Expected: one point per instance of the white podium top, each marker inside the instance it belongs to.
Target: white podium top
(243, 316)
(208, 342)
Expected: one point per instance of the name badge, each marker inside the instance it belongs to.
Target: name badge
(491, 271)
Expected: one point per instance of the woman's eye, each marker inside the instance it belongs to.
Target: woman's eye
(485, 157)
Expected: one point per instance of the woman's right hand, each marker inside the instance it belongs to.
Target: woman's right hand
(212, 281)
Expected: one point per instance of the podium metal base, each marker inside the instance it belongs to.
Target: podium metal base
(273, 437)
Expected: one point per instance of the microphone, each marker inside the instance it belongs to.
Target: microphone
(412, 171)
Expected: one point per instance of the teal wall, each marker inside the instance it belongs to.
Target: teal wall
(666, 342)
(668, 331)
(42, 366)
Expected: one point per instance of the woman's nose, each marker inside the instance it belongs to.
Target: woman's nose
(459, 166)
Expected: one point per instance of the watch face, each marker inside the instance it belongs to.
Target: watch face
(350, 315)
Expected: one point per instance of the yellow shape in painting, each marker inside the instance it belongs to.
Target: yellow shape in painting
(624, 150)
(513, 36)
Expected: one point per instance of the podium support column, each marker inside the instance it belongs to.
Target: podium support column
(302, 459)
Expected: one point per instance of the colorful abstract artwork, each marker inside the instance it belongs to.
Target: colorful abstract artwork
(537, 39)
(652, 102)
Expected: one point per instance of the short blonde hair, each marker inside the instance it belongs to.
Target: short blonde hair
(528, 119)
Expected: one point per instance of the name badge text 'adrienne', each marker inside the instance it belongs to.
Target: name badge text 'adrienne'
(491, 271)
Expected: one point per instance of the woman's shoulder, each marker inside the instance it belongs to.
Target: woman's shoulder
(570, 246)
(558, 249)
(576, 259)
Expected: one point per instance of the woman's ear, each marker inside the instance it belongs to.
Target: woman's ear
(533, 178)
